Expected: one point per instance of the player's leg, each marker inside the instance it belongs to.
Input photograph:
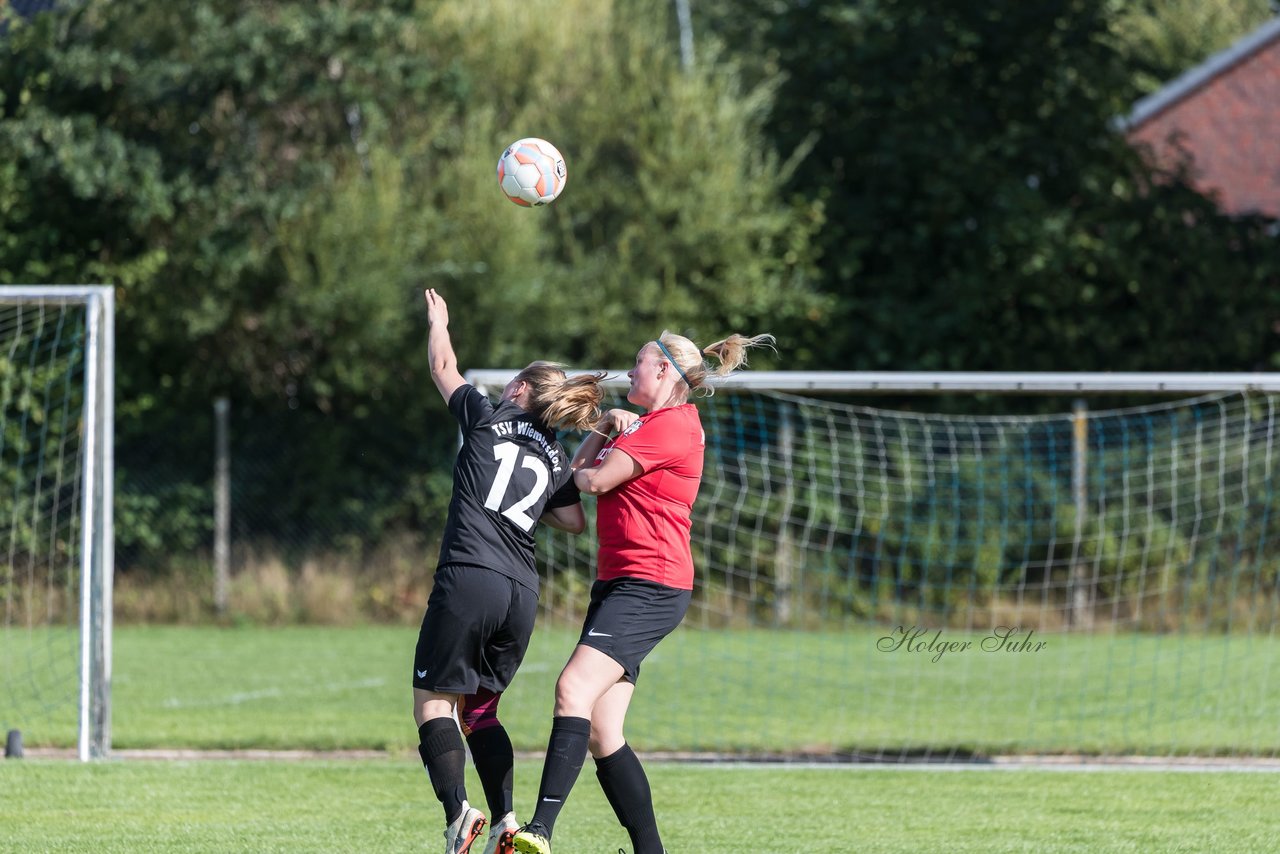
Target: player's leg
(588, 675)
(620, 773)
(444, 758)
(490, 745)
(446, 666)
(652, 612)
(494, 760)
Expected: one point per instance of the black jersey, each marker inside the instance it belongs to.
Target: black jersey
(509, 470)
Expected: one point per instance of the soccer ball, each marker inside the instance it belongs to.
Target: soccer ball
(531, 172)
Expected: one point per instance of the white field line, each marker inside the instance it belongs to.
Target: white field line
(241, 697)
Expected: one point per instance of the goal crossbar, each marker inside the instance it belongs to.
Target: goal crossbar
(998, 382)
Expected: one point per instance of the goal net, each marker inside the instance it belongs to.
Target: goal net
(893, 584)
(55, 514)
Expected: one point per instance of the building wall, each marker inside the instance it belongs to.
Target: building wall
(1231, 127)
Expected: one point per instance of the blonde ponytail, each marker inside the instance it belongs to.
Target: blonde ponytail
(730, 352)
(563, 402)
(576, 402)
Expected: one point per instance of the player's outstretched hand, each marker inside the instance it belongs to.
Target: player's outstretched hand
(437, 309)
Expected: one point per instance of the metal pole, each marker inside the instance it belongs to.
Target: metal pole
(221, 506)
(1078, 590)
(106, 517)
(784, 566)
(88, 553)
(686, 34)
(97, 559)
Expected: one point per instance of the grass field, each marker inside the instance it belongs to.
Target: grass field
(385, 805)
(325, 688)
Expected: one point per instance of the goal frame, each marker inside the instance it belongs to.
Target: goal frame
(1129, 521)
(97, 535)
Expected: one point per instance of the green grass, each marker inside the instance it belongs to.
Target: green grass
(385, 805)
(324, 688)
(204, 687)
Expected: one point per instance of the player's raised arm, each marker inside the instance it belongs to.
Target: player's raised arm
(444, 363)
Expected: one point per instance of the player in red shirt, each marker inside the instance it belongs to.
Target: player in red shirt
(646, 478)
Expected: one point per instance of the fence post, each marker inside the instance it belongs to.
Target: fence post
(784, 565)
(221, 506)
(1078, 613)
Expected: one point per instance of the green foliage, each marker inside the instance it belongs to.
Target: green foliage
(1164, 38)
(883, 183)
(672, 217)
(159, 149)
(982, 213)
(160, 522)
(270, 187)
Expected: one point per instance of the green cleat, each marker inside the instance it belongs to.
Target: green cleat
(528, 841)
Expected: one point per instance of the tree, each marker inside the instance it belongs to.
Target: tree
(159, 149)
(982, 213)
(1164, 39)
(270, 187)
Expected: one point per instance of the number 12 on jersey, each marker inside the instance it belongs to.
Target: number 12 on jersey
(508, 454)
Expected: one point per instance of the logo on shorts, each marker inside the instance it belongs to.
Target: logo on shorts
(422, 674)
(592, 633)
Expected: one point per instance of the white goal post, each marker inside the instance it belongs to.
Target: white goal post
(57, 361)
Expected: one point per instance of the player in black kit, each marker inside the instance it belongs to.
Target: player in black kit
(510, 474)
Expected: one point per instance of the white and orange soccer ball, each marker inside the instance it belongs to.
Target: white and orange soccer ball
(531, 172)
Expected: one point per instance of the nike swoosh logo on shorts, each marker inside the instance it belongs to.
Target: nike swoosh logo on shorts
(592, 633)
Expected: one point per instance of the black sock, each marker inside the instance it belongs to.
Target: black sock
(627, 788)
(440, 746)
(494, 759)
(566, 751)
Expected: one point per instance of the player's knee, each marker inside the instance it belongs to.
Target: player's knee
(478, 711)
(576, 689)
(604, 743)
(434, 706)
(571, 697)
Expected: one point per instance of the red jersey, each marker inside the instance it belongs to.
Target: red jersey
(643, 525)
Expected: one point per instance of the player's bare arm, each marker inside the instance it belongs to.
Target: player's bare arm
(616, 469)
(444, 363)
(613, 421)
(570, 518)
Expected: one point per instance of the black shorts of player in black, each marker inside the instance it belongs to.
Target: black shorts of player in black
(510, 474)
(475, 632)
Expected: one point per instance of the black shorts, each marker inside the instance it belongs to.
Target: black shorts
(475, 632)
(628, 616)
